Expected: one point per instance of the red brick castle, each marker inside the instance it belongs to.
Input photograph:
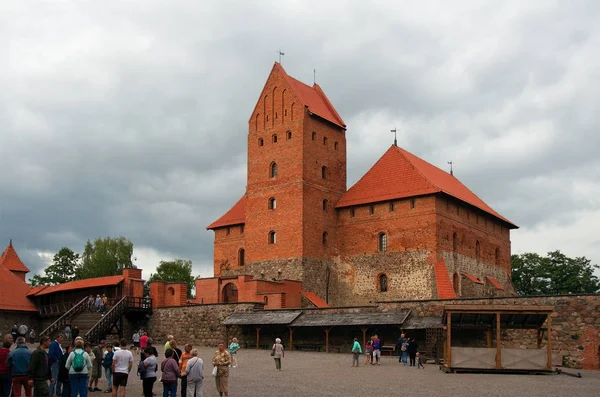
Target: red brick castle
(405, 230)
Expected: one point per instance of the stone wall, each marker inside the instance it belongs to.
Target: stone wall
(9, 317)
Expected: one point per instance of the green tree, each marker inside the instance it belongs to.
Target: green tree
(63, 268)
(179, 270)
(556, 273)
(105, 257)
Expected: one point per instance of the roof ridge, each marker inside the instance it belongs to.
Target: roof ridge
(416, 168)
(328, 103)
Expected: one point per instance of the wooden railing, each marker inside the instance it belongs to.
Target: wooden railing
(139, 303)
(61, 322)
(54, 309)
(99, 330)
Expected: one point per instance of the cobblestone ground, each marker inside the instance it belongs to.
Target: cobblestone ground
(321, 374)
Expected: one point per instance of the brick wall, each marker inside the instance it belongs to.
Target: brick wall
(9, 317)
(227, 244)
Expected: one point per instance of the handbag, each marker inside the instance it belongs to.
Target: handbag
(214, 372)
(272, 353)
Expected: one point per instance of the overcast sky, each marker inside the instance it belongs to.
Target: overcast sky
(130, 117)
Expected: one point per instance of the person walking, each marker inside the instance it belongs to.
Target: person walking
(419, 361)
(151, 367)
(194, 370)
(399, 347)
(96, 375)
(404, 352)
(32, 336)
(55, 354)
(221, 360)
(90, 303)
(121, 366)
(170, 374)
(98, 302)
(412, 351)
(368, 351)
(168, 343)
(78, 363)
(63, 372)
(185, 356)
(5, 373)
(376, 350)
(18, 363)
(39, 369)
(14, 332)
(356, 352)
(23, 330)
(143, 344)
(136, 342)
(68, 331)
(233, 349)
(278, 353)
(107, 365)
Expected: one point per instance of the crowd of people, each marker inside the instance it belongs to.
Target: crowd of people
(98, 304)
(407, 349)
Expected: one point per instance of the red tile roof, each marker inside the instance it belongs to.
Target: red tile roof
(473, 278)
(313, 98)
(400, 174)
(13, 293)
(314, 299)
(81, 284)
(11, 261)
(445, 290)
(36, 290)
(495, 283)
(235, 216)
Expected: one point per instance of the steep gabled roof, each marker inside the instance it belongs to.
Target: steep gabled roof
(13, 292)
(445, 289)
(235, 216)
(81, 284)
(400, 174)
(11, 261)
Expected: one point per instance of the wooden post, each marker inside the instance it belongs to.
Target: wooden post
(488, 335)
(364, 331)
(257, 336)
(540, 336)
(549, 331)
(327, 339)
(498, 343)
(291, 338)
(448, 360)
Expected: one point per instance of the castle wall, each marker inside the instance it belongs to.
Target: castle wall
(10, 317)
(227, 244)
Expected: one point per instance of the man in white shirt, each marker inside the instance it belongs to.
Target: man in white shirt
(121, 366)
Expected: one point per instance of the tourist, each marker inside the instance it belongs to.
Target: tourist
(194, 370)
(63, 372)
(55, 354)
(107, 364)
(356, 352)
(39, 369)
(222, 360)
(75, 333)
(18, 362)
(419, 362)
(90, 303)
(68, 331)
(412, 351)
(104, 301)
(170, 372)
(32, 336)
(23, 330)
(101, 308)
(151, 346)
(98, 302)
(368, 351)
(136, 342)
(5, 373)
(143, 342)
(176, 351)
(403, 349)
(187, 354)
(121, 366)
(278, 354)
(168, 343)
(97, 361)
(376, 350)
(78, 364)
(14, 333)
(151, 366)
(399, 347)
(233, 349)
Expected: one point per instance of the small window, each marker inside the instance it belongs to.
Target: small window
(274, 138)
(391, 206)
(382, 282)
(351, 212)
(228, 231)
(325, 140)
(273, 171)
(371, 209)
(242, 229)
(288, 135)
(285, 112)
(272, 203)
(325, 202)
(412, 204)
(261, 142)
(324, 172)
(275, 115)
(477, 249)
(497, 257)
(456, 284)
(335, 145)
(241, 257)
(454, 243)
(314, 136)
(382, 242)
(266, 299)
(272, 237)
(324, 238)
(267, 117)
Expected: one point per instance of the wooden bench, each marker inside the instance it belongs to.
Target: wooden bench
(389, 349)
(308, 346)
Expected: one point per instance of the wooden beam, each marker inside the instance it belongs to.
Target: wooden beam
(364, 331)
(549, 326)
(488, 337)
(540, 337)
(257, 336)
(448, 359)
(327, 339)
(291, 338)
(498, 343)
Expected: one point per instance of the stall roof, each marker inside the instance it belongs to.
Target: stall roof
(484, 316)
(275, 317)
(333, 319)
(416, 322)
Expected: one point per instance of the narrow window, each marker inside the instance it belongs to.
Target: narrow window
(351, 212)
(272, 237)
(275, 115)
(382, 281)
(285, 112)
(412, 204)
(314, 136)
(228, 231)
(261, 142)
(324, 238)
(371, 209)
(275, 138)
(497, 257)
(477, 249)
(242, 229)
(455, 284)
(241, 258)
(391, 206)
(335, 145)
(272, 203)
(325, 140)
(325, 202)
(273, 170)
(324, 172)
(267, 117)
(288, 135)
(266, 300)
(382, 242)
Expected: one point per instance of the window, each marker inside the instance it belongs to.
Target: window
(325, 140)
(371, 209)
(267, 117)
(412, 204)
(391, 206)
(266, 299)
(285, 112)
(273, 170)
(351, 212)
(228, 231)
(288, 135)
(324, 238)
(382, 242)
(241, 258)
(242, 229)
(272, 237)
(275, 115)
(324, 172)
(261, 142)
(272, 203)
(335, 145)
(497, 257)
(477, 249)
(325, 202)
(314, 136)
(382, 282)
(274, 138)
(455, 284)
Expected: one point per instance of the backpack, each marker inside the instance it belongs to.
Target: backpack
(78, 362)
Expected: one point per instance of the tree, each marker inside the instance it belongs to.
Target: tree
(63, 268)
(179, 270)
(554, 274)
(105, 257)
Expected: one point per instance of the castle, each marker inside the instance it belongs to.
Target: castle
(405, 230)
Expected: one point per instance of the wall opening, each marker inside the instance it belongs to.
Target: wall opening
(335, 145)
(230, 293)
(324, 238)
(288, 135)
(241, 257)
(456, 284)
(382, 283)
(273, 170)
(324, 172)
(497, 257)
(261, 142)
(382, 242)
(274, 138)
(272, 203)
(325, 140)
(266, 300)
(272, 237)
(325, 202)
(314, 136)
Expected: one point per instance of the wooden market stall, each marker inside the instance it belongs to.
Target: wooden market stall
(493, 319)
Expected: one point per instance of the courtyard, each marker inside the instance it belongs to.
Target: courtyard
(322, 374)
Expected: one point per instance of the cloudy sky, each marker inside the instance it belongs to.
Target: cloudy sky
(130, 117)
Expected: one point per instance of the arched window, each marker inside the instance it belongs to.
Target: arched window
(272, 203)
(477, 249)
(230, 293)
(497, 257)
(272, 237)
(324, 238)
(314, 136)
(325, 202)
(288, 135)
(273, 170)
(335, 145)
(261, 142)
(274, 138)
(382, 242)
(171, 291)
(241, 257)
(455, 284)
(325, 140)
(324, 172)
(382, 283)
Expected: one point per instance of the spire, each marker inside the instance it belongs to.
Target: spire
(10, 243)
(395, 140)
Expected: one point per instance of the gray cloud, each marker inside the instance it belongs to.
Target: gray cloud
(131, 118)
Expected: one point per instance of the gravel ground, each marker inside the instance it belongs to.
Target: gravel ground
(322, 374)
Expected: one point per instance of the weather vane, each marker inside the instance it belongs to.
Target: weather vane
(395, 140)
(451, 171)
(280, 55)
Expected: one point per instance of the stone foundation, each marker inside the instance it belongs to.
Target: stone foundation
(8, 318)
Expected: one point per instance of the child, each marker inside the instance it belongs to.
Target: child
(107, 364)
(368, 351)
(419, 362)
(233, 348)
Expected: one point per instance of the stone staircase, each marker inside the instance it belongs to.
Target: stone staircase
(85, 321)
